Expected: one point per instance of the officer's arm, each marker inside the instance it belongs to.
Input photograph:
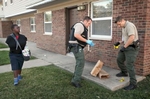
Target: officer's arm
(79, 37)
(129, 41)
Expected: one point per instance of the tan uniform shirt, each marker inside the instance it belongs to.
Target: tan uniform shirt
(79, 29)
(129, 29)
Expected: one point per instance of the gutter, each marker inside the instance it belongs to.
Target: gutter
(21, 13)
(38, 4)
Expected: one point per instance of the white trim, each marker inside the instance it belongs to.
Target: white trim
(48, 22)
(19, 20)
(47, 33)
(33, 31)
(40, 3)
(33, 24)
(109, 38)
(24, 12)
(100, 37)
(104, 18)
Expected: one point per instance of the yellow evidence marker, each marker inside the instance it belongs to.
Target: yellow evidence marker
(122, 79)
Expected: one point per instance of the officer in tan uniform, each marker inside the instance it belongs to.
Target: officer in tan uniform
(128, 52)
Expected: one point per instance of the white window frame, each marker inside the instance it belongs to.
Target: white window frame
(6, 3)
(47, 33)
(19, 21)
(100, 37)
(34, 24)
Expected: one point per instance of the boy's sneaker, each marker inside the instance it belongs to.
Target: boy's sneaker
(19, 77)
(15, 81)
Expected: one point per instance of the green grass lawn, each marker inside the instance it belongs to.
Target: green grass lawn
(4, 58)
(51, 82)
(3, 45)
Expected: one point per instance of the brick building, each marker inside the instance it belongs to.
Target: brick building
(48, 22)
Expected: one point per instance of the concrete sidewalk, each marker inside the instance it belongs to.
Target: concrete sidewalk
(68, 63)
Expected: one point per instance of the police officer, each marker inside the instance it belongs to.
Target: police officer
(128, 52)
(78, 40)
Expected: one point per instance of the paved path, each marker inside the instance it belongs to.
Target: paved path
(4, 49)
(68, 63)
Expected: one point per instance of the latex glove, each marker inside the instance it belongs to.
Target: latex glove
(122, 49)
(116, 45)
(90, 42)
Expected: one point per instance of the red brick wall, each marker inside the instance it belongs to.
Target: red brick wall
(81, 14)
(1, 33)
(5, 28)
(25, 30)
(134, 11)
(57, 41)
(146, 38)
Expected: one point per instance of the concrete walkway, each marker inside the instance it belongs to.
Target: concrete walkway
(68, 63)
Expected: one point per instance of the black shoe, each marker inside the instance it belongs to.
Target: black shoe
(130, 87)
(122, 74)
(77, 85)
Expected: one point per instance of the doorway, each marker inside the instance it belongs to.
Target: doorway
(71, 19)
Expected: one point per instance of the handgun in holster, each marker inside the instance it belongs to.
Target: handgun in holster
(75, 46)
(136, 44)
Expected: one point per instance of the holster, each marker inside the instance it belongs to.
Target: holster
(75, 46)
(135, 44)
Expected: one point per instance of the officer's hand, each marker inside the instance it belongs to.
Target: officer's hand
(122, 49)
(116, 45)
(90, 42)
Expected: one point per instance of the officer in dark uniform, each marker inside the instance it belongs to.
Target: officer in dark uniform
(78, 40)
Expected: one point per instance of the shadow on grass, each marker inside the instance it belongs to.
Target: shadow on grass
(51, 82)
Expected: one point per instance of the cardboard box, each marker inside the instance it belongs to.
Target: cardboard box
(103, 74)
(97, 68)
(98, 71)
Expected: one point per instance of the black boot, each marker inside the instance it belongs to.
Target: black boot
(122, 74)
(77, 85)
(130, 87)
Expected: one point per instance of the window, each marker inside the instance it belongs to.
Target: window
(5, 2)
(32, 24)
(48, 22)
(11, 1)
(101, 13)
(18, 23)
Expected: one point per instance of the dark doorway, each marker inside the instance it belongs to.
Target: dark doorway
(71, 19)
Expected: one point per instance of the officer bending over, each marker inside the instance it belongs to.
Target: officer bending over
(78, 40)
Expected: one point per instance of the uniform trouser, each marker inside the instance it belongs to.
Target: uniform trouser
(126, 61)
(79, 56)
